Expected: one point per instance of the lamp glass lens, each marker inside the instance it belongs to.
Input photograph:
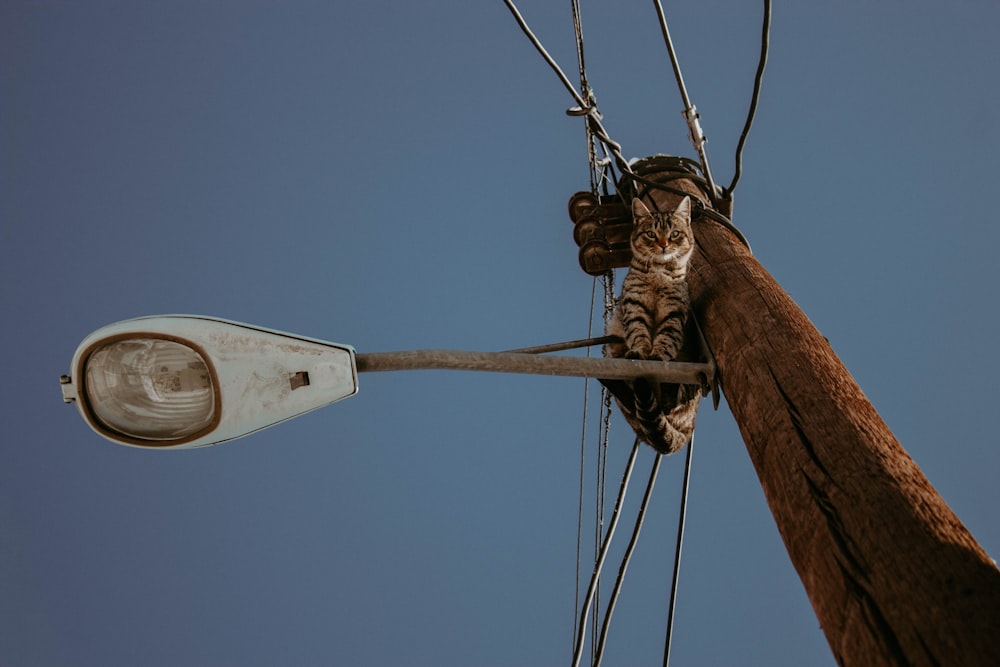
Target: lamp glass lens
(150, 388)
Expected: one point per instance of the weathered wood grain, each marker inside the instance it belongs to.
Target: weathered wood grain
(893, 575)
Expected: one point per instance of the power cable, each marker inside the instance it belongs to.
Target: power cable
(583, 449)
(602, 555)
(626, 558)
(596, 178)
(677, 553)
(765, 40)
(690, 112)
(584, 106)
(586, 92)
(545, 54)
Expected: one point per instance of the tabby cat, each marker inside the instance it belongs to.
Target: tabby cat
(651, 320)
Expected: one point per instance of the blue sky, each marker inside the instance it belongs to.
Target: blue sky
(395, 176)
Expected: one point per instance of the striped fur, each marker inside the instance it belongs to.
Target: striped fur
(651, 320)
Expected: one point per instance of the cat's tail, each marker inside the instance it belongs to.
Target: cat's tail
(661, 415)
(665, 423)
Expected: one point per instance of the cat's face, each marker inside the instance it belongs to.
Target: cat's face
(662, 238)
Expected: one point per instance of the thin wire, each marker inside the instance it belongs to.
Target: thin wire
(545, 54)
(765, 39)
(626, 558)
(602, 555)
(594, 183)
(584, 106)
(583, 449)
(594, 594)
(586, 92)
(673, 55)
(608, 282)
(690, 113)
(677, 553)
(578, 29)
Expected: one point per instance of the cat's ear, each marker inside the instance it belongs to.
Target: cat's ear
(639, 209)
(683, 209)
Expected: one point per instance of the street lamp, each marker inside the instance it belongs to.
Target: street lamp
(179, 381)
(184, 381)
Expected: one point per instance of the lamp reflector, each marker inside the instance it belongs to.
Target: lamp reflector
(150, 388)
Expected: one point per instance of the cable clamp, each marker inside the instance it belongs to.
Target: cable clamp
(692, 116)
(578, 111)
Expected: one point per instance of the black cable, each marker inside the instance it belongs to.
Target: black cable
(677, 554)
(626, 558)
(605, 545)
(578, 29)
(584, 105)
(545, 54)
(685, 170)
(691, 115)
(755, 97)
(583, 449)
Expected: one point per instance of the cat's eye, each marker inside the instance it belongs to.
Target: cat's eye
(650, 234)
(674, 235)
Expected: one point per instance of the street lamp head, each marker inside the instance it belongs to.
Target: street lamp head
(179, 381)
(151, 388)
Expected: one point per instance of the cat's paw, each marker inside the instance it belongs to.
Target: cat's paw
(662, 353)
(640, 350)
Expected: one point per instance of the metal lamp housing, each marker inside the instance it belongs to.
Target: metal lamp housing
(184, 381)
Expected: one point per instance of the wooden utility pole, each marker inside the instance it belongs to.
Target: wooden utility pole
(893, 575)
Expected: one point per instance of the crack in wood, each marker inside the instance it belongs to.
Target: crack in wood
(796, 418)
